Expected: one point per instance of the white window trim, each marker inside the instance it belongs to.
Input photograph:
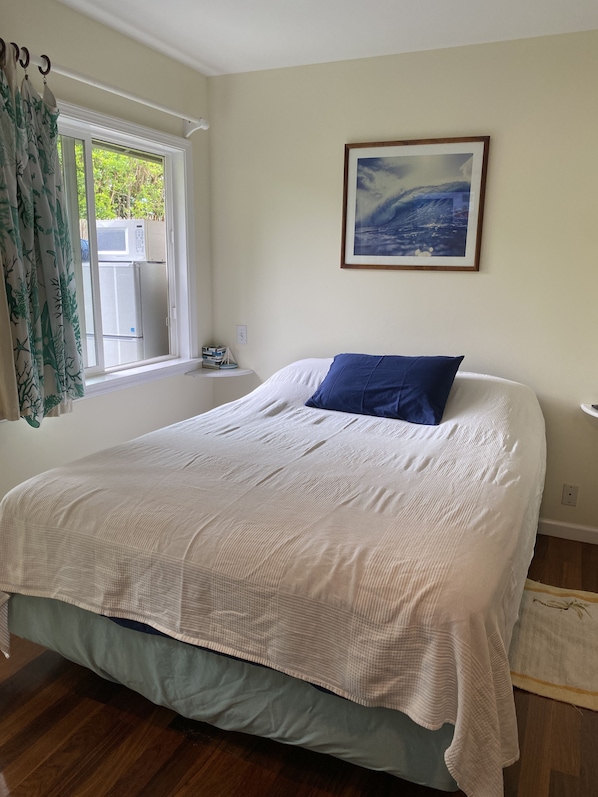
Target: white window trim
(181, 243)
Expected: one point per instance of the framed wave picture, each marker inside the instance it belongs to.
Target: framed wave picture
(414, 204)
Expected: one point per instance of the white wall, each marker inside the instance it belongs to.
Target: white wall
(277, 143)
(73, 41)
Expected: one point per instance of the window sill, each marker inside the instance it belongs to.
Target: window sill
(130, 377)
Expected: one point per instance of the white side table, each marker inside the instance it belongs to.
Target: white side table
(224, 372)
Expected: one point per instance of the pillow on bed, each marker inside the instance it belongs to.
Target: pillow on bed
(413, 389)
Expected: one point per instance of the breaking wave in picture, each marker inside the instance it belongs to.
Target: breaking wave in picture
(421, 223)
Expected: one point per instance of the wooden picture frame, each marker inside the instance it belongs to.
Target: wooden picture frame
(414, 204)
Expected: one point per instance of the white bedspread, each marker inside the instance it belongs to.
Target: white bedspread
(380, 559)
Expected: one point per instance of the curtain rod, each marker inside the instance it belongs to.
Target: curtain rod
(191, 124)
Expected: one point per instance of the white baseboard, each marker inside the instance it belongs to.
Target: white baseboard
(568, 531)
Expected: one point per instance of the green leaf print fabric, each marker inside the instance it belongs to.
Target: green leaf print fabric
(36, 253)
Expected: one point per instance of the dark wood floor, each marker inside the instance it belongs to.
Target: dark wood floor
(64, 732)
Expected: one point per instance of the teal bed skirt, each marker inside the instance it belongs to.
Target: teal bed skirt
(236, 695)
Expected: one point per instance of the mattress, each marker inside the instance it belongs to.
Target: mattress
(381, 560)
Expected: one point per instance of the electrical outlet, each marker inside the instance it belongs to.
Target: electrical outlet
(241, 334)
(569, 497)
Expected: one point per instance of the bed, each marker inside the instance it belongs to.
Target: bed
(332, 579)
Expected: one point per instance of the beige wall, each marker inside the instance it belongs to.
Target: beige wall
(73, 41)
(277, 142)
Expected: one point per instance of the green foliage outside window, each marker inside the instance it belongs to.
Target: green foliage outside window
(126, 186)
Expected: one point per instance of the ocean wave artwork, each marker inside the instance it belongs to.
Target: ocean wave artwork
(416, 206)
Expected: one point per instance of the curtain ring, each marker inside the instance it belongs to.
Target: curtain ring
(3, 53)
(26, 63)
(45, 71)
(17, 50)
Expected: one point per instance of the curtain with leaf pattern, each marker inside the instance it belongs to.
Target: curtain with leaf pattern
(41, 367)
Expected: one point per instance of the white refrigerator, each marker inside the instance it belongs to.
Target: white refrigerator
(134, 301)
(122, 320)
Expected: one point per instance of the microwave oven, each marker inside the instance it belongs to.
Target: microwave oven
(127, 240)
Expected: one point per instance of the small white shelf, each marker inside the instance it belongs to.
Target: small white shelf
(212, 372)
(589, 410)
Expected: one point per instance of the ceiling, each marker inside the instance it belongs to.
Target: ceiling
(219, 37)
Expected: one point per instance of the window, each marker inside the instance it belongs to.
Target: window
(128, 203)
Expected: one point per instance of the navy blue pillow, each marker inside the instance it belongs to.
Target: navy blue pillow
(413, 389)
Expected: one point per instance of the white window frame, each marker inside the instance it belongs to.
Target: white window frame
(85, 124)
